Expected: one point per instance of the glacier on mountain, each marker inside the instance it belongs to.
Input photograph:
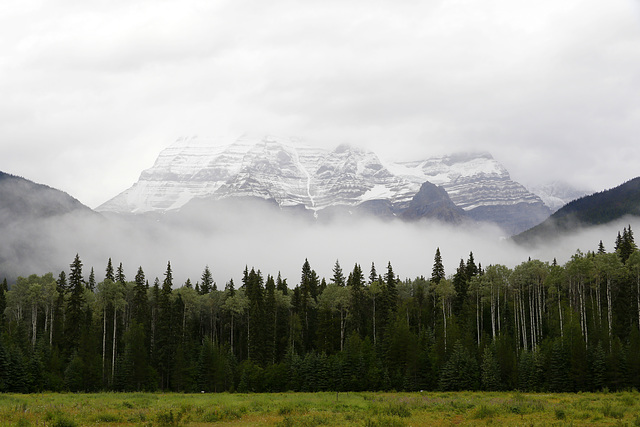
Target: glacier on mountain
(293, 173)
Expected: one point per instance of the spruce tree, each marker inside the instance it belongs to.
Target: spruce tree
(338, 276)
(120, 277)
(91, 284)
(63, 287)
(460, 284)
(471, 269)
(490, 371)
(358, 303)
(373, 274)
(140, 301)
(207, 281)
(437, 273)
(74, 313)
(166, 344)
(391, 289)
(109, 272)
(460, 371)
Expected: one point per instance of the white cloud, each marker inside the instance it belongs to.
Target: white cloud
(92, 91)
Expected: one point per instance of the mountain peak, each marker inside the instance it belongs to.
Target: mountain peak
(293, 173)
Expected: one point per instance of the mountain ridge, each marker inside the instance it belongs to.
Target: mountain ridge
(294, 173)
(595, 209)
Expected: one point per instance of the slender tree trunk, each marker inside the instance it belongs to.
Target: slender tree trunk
(342, 322)
(532, 320)
(231, 338)
(113, 354)
(498, 321)
(444, 318)
(523, 321)
(560, 315)
(53, 312)
(516, 321)
(478, 317)
(609, 316)
(275, 335)
(34, 324)
(493, 314)
(374, 316)
(104, 342)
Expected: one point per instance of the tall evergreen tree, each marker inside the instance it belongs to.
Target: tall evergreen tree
(63, 286)
(74, 313)
(91, 284)
(437, 273)
(373, 274)
(109, 272)
(207, 281)
(166, 342)
(120, 277)
(460, 284)
(358, 303)
(140, 300)
(391, 289)
(338, 276)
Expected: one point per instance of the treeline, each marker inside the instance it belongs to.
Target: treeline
(536, 327)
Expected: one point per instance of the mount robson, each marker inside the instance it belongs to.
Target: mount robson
(272, 203)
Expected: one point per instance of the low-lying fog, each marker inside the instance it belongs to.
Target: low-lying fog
(258, 236)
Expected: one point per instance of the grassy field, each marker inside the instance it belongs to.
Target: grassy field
(311, 409)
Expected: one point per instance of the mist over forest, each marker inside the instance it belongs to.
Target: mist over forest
(270, 240)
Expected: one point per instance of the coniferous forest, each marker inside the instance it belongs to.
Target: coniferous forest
(536, 327)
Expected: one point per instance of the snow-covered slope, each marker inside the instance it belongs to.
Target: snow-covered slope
(557, 194)
(295, 174)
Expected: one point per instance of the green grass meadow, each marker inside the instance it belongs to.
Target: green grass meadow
(313, 409)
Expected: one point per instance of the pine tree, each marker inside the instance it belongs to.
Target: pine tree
(140, 300)
(207, 282)
(338, 276)
(490, 371)
(373, 274)
(358, 304)
(437, 273)
(460, 284)
(460, 371)
(166, 344)
(91, 284)
(109, 272)
(471, 269)
(63, 286)
(601, 249)
(391, 289)
(74, 313)
(598, 367)
(120, 277)
(627, 245)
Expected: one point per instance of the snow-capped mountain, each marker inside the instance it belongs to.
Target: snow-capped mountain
(557, 194)
(295, 174)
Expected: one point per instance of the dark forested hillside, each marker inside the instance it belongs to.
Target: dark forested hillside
(24, 200)
(537, 326)
(598, 208)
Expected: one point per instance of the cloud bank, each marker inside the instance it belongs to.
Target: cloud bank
(93, 91)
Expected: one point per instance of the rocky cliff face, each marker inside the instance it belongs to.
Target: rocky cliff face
(320, 180)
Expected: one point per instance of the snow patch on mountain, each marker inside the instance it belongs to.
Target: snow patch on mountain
(296, 174)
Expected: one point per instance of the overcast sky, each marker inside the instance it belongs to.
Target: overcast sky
(92, 91)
